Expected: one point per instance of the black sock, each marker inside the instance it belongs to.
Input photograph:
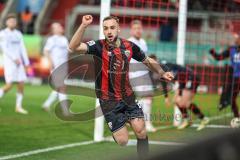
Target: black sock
(184, 112)
(142, 148)
(194, 108)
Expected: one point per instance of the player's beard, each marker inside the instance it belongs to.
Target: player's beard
(113, 44)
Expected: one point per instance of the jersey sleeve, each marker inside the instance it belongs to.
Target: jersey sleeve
(49, 45)
(92, 47)
(1, 40)
(138, 54)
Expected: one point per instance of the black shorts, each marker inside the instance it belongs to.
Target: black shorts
(117, 113)
(190, 85)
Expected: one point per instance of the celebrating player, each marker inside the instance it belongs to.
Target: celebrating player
(188, 83)
(15, 60)
(56, 50)
(112, 85)
(142, 87)
(233, 53)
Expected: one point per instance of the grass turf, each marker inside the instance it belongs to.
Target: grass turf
(22, 133)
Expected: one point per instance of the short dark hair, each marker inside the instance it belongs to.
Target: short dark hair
(136, 21)
(111, 17)
(153, 56)
(11, 15)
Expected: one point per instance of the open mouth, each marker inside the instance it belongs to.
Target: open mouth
(110, 38)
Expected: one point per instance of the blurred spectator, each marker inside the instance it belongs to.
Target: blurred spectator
(174, 3)
(166, 32)
(26, 20)
(2, 3)
(233, 6)
(34, 5)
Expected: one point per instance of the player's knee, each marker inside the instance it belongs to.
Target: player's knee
(122, 141)
(9, 85)
(141, 133)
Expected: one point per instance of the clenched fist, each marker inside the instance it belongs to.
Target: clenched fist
(168, 76)
(86, 20)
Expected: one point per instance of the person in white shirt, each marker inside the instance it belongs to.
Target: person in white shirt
(56, 50)
(139, 75)
(15, 60)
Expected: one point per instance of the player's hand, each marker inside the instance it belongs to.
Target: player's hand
(17, 61)
(27, 68)
(167, 102)
(168, 76)
(212, 51)
(87, 20)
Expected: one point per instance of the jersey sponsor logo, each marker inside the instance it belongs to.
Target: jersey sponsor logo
(110, 125)
(91, 43)
(236, 58)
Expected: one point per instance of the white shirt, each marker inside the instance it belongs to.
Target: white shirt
(12, 46)
(143, 46)
(57, 46)
(141, 43)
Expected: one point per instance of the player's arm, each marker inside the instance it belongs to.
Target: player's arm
(155, 67)
(46, 53)
(224, 55)
(76, 44)
(165, 93)
(24, 52)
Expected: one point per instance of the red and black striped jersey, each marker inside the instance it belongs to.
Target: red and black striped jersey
(112, 67)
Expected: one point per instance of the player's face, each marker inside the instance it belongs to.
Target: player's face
(11, 23)
(136, 30)
(57, 29)
(110, 29)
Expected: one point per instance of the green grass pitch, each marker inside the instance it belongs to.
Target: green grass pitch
(40, 130)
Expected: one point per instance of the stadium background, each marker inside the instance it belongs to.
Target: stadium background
(210, 24)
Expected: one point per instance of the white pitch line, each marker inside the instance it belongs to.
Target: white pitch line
(212, 126)
(133, 142)
(220, 117)
(29, 153)
(214, 118)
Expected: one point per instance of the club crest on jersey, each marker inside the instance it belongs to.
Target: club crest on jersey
(91, 43)
(127, 53)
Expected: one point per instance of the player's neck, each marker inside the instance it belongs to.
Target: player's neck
(11, 29)
(137, 38)
(114, 44)
(57, 34)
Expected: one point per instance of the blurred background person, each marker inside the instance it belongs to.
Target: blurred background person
(56, 51)
(139, 75)
(15, 60)
(188, 82)
(232, 52)
(26, 19)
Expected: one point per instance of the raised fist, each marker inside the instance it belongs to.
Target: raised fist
(86, 20)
